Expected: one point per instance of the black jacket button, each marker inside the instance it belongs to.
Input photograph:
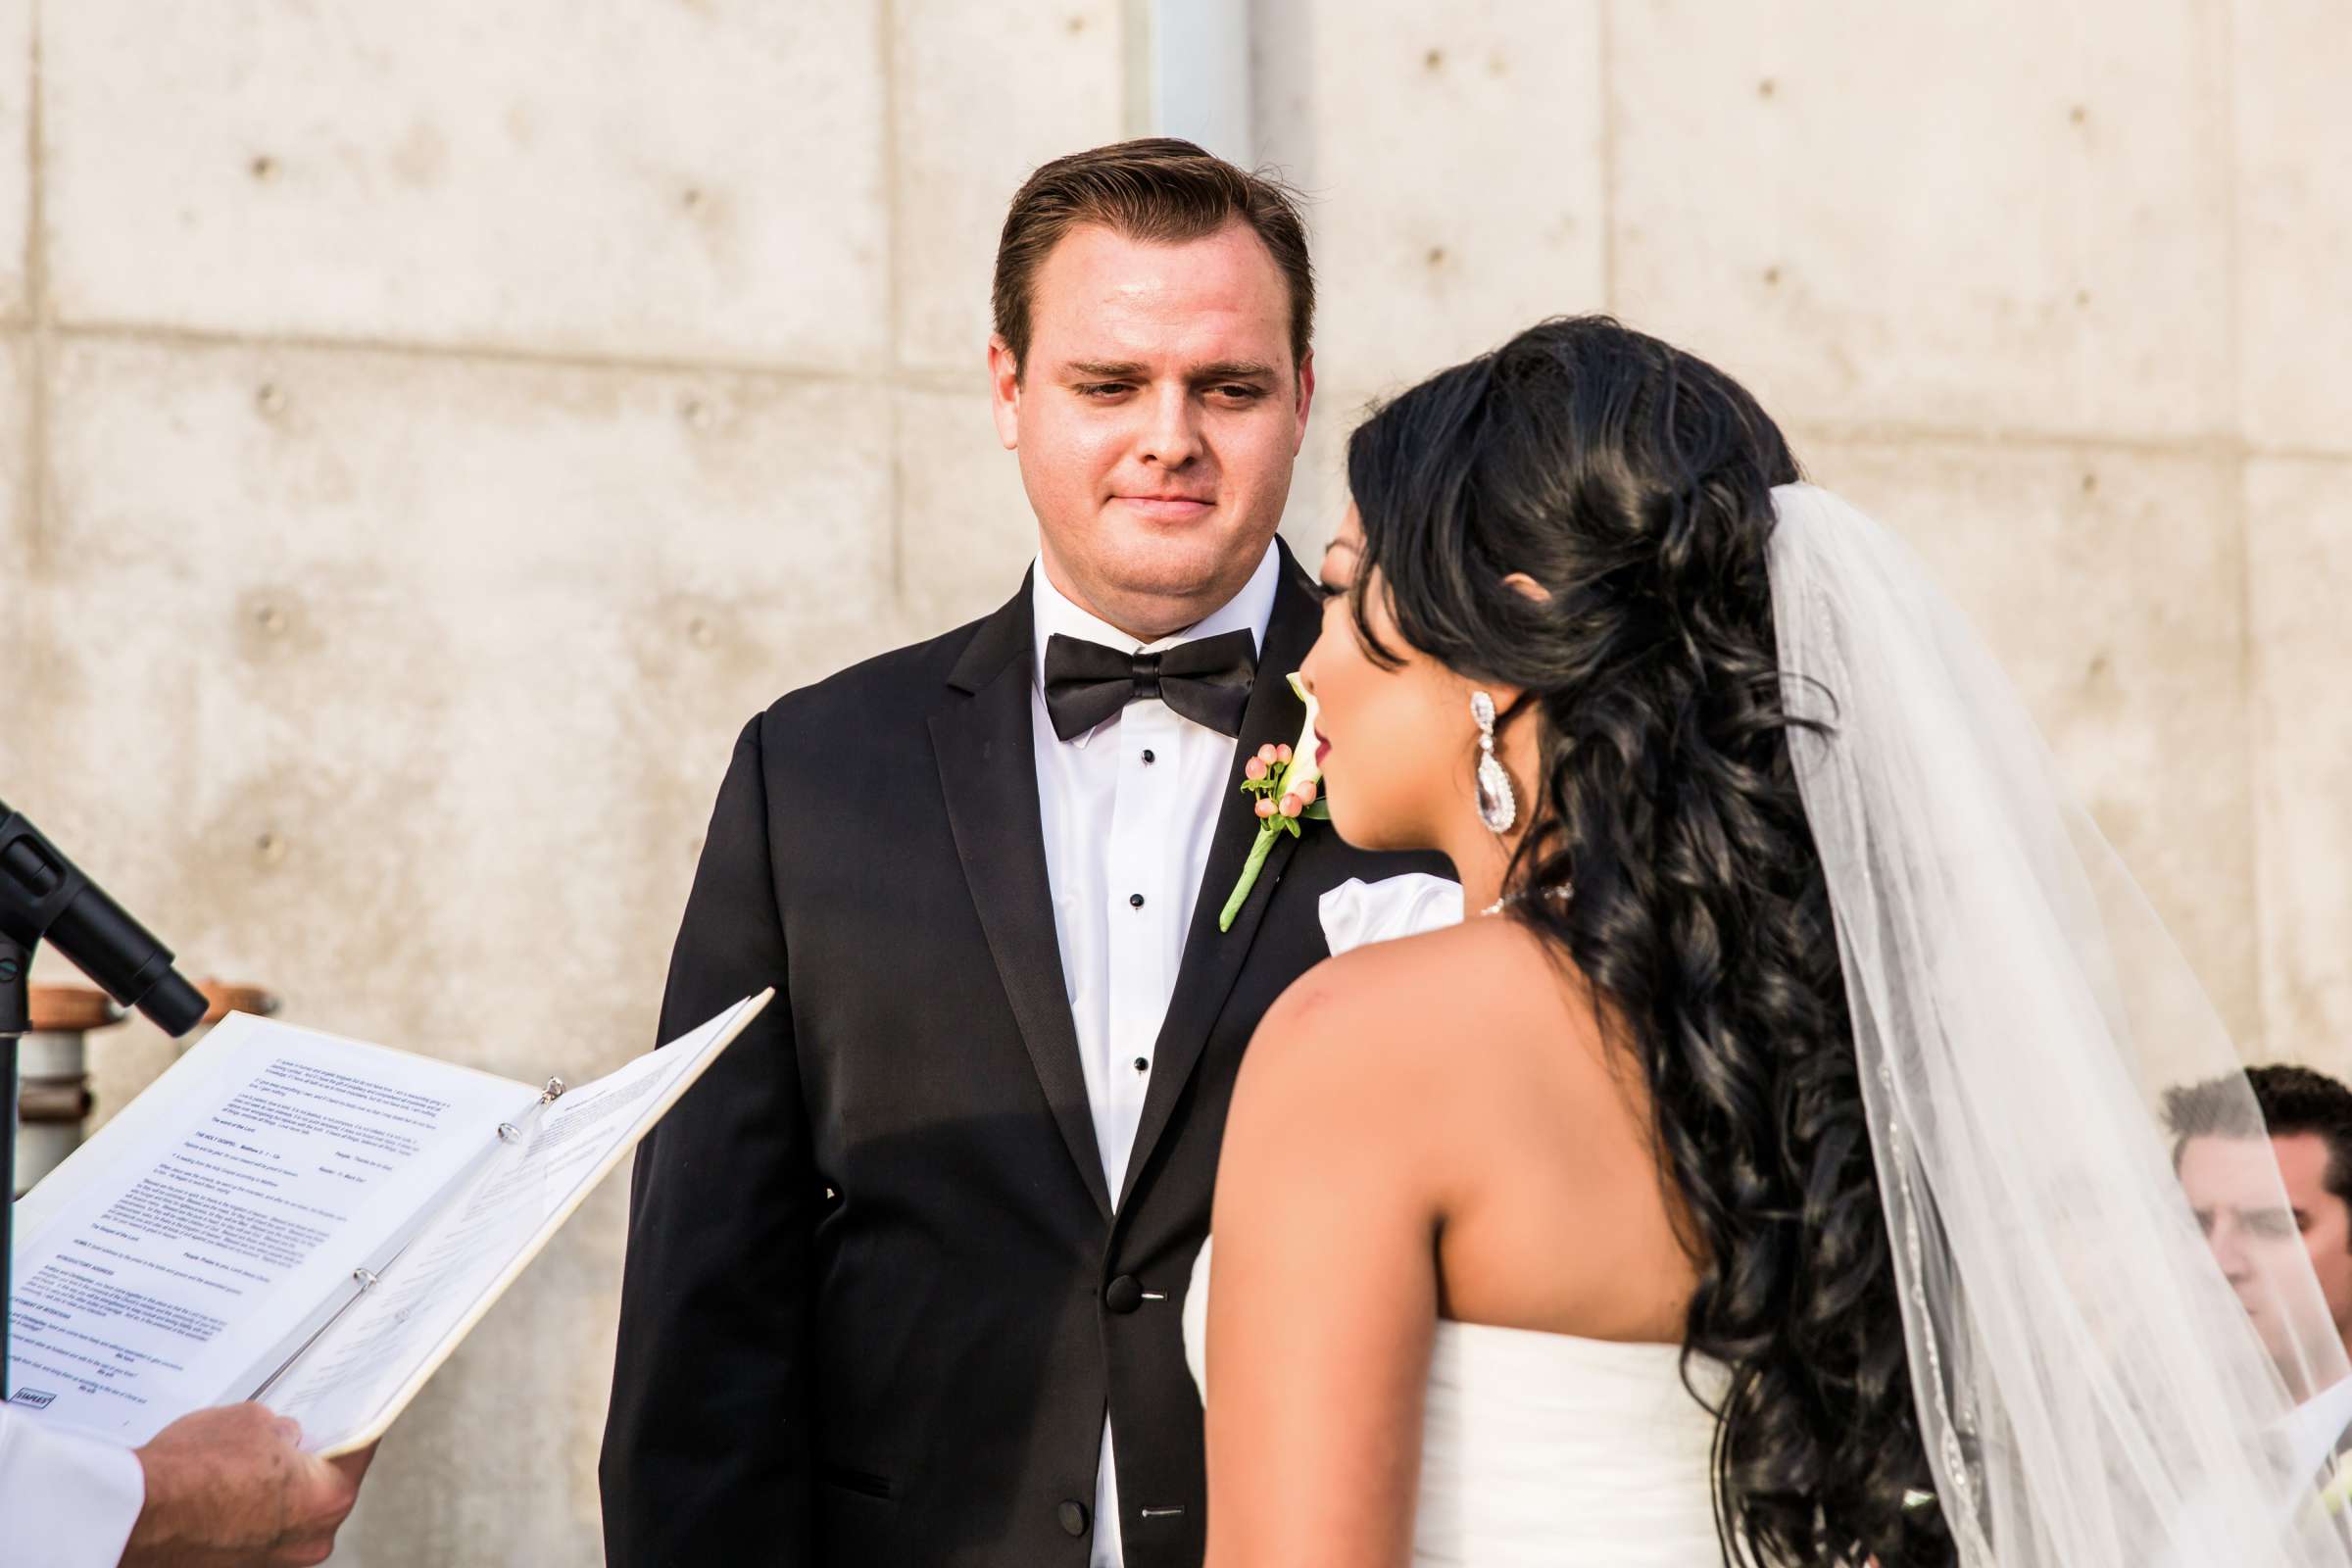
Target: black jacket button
(1123, 1294)
(1073, 1518)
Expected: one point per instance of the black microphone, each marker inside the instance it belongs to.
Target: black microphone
(45, 897)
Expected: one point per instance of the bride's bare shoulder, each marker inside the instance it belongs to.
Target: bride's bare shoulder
(1481, 971)
(1397, 1025)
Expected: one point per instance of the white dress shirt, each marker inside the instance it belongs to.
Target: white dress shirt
(1129, 809)
(74, 1497)
(1356, 912)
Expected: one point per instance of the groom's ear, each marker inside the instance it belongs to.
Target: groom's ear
(1307, 397)
(1004, 391)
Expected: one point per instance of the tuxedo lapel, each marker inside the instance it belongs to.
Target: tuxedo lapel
(988, 772)
(1212, 959)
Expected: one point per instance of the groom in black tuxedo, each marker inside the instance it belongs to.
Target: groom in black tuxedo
(905, 1268)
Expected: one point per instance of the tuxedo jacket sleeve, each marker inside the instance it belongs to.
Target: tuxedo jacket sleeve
(708, 1440)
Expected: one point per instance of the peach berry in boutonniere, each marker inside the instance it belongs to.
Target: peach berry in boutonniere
(1288, 786)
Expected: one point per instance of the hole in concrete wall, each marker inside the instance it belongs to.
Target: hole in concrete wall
(1771, 276)
(264, 167)
(2078, 115)
(1077, 24)
(1435, 60)
(1437, 256)
(1767, 88)
(269, 849)
(2091, 482)
(268, 628)
(690, 198)
(270, 399)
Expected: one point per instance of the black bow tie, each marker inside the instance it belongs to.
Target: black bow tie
(1207, 681)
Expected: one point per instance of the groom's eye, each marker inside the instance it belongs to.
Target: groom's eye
(1241, 392)
(1101, 390)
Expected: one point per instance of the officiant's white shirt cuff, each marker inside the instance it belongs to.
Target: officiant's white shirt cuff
(75, 1496)
(1357, 911)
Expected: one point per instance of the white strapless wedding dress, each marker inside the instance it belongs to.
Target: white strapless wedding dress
(1547, 1449)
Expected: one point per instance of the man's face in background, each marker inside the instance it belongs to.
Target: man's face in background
(2322, 1218)
(2234, 1185)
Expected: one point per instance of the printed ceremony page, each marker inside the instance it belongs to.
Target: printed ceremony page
(204, 1235)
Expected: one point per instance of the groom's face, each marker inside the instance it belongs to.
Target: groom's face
(1156, 419)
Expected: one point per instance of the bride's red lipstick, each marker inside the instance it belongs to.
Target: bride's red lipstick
(1322, 748)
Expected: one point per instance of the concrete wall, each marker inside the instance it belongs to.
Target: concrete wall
(431, 430)
(428, 431)
(2057, 290)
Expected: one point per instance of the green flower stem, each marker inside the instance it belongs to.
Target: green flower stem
(1268, 832)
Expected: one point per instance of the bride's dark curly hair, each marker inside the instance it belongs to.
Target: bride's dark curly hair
(1632, 481)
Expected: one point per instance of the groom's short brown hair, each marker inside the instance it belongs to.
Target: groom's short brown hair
(1159, 189)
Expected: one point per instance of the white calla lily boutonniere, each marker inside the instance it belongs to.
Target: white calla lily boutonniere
(1288, 783)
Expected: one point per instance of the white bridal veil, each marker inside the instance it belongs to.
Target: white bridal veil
(2089, 1386)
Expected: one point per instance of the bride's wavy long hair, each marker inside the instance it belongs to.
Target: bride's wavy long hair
(1634, 482)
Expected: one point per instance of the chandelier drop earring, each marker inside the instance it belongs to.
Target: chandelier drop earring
(1496, 806)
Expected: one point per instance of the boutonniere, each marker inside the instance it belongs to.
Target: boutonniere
(2338, 1492)
(1286, 782)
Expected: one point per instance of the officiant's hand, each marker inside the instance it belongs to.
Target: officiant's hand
(233, 1489)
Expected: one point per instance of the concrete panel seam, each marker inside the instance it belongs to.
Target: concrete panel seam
(886, 18)
(2292, 453)
(910, 379)
(36, 308)
(2225, 446)
(1140, 111)
(2223, 61)
(1606, 103)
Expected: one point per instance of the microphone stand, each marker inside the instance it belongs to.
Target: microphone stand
(16, 1018)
